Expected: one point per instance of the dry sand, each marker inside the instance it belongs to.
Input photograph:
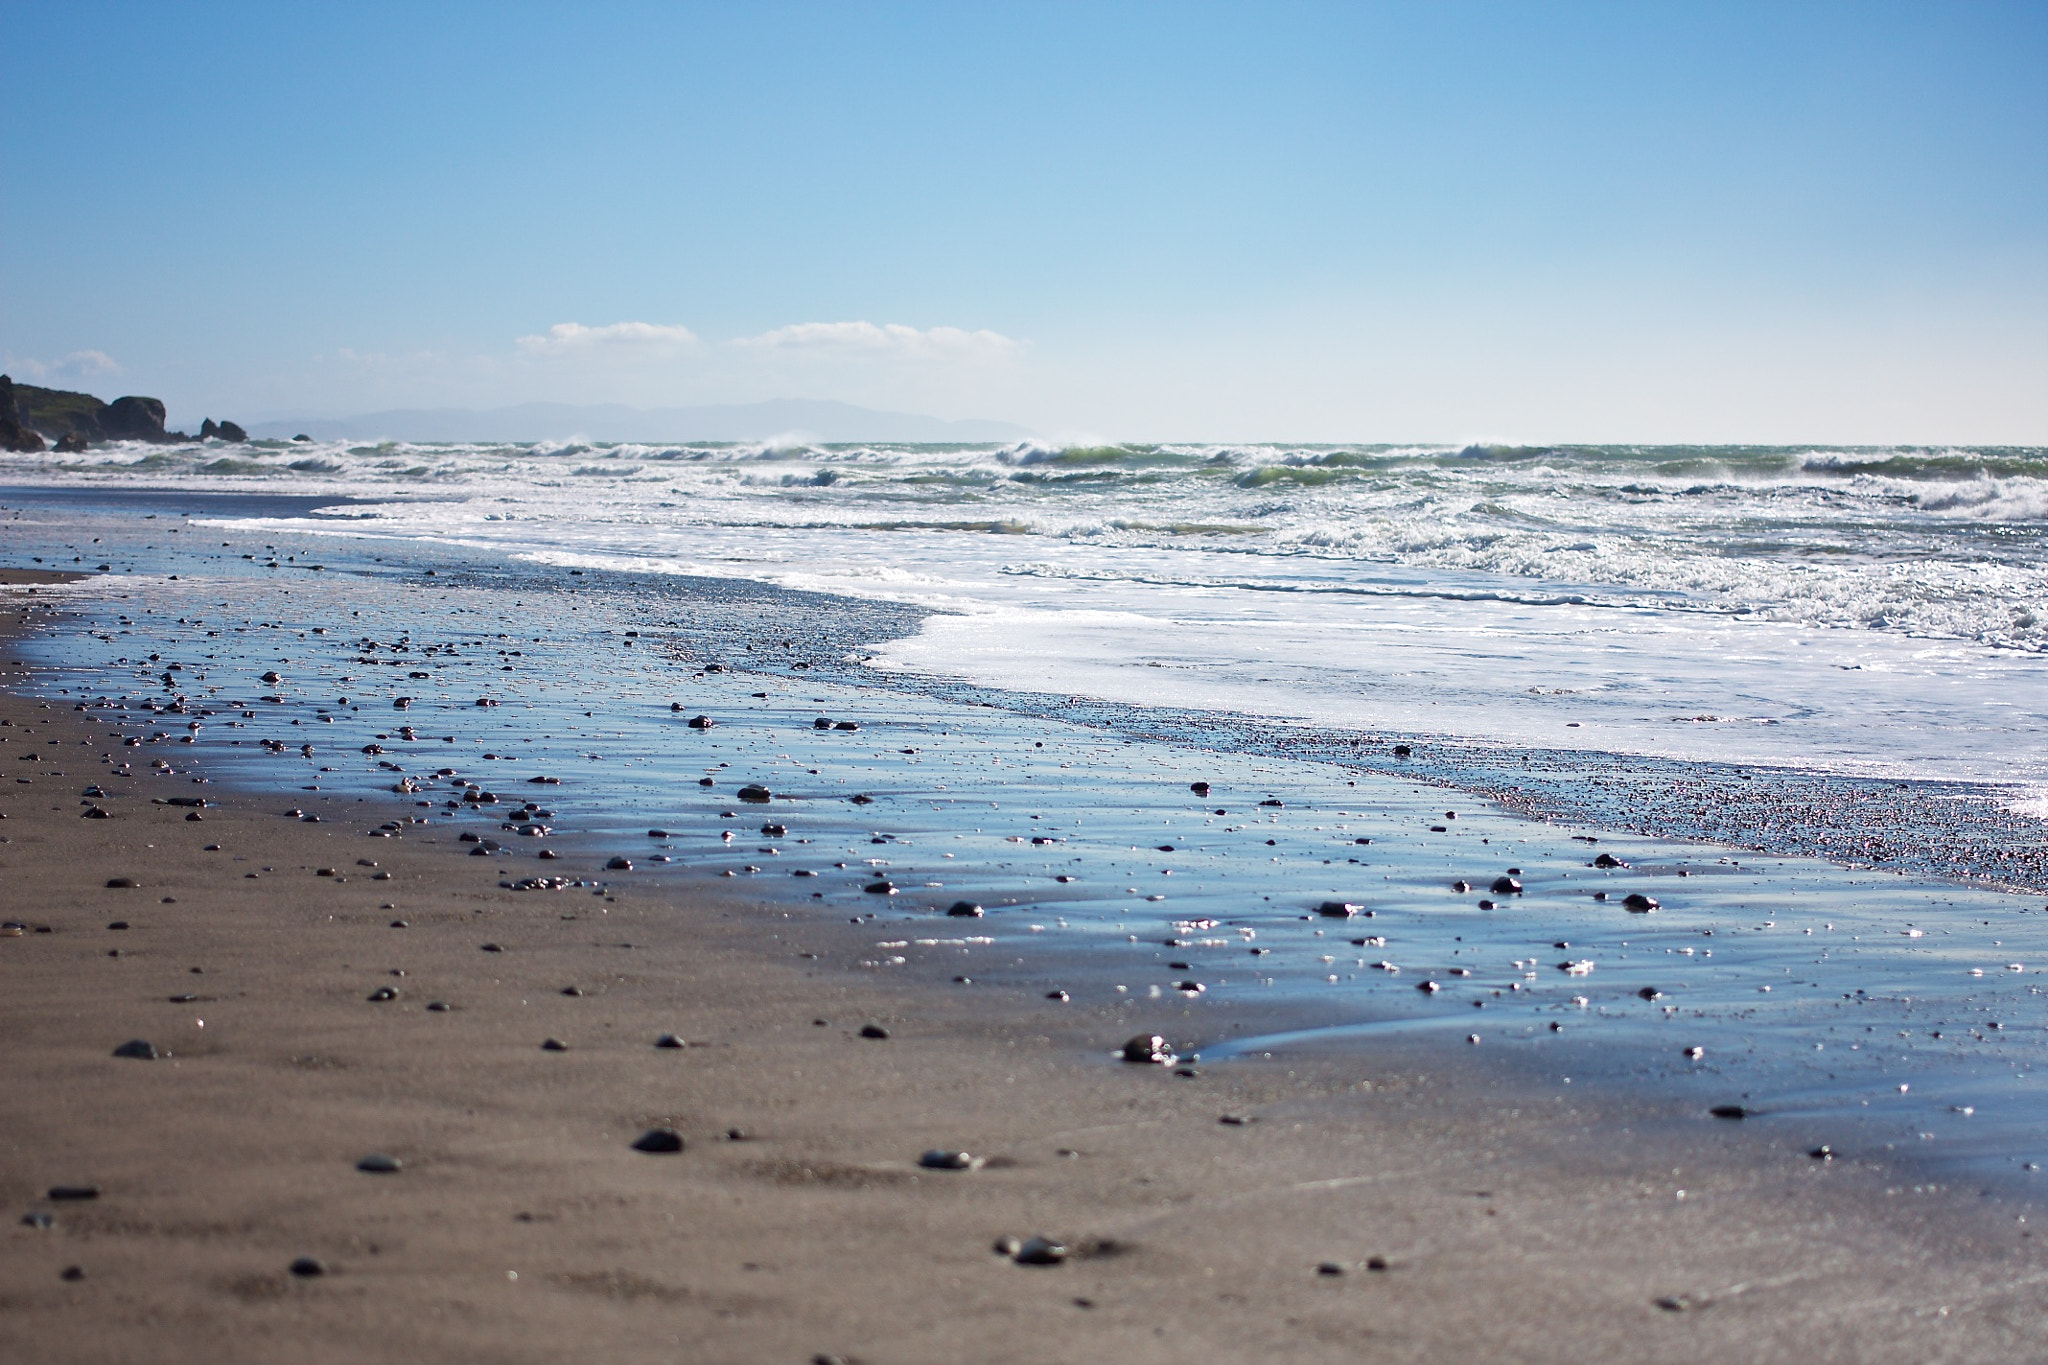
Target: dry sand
(1513, 1222)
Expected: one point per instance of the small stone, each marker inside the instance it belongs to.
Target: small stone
(669, 1040)
(1061, 996)
(572, 990)
(619, 865)
(1041, 1251)
(1636, 903)
(1608, 860)
(1236, 1120)
(553, 1045)
(884, 887)
(939, 1159)
(117, 924)
(382, 994)
(400, 924)
(139, 1049)
(1821, 1153)
(71, 1272)
(1149, 1049)
(38, 1220)
(1329, 1268)
(437, 1007)
(701, 722)
(964, 910)
(1199, 788)
(756, 793)
(378, 1164)
(1338, 909)
(492, 948)
(1461, 886)
(307, 1268)
(1693, 1054)
(122, 883)
(1730, 1111)
(1505, 886)
(1376, 1263)
(61, 1192)
(1650, 993)
(659, 1141)
(873, 1031)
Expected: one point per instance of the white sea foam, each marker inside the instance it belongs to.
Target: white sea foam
(1866, 610)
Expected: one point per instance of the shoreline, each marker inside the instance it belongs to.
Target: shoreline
(1190, 1234)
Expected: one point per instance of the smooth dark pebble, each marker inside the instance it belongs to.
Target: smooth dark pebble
(378, 1164)
(668, 1040)
(1730, 1111)
(307, 1268)
(873, 1031)
(659, 1141)
(73, 1192)
(1041, 1251)
(138, 1048)
(553, 1045)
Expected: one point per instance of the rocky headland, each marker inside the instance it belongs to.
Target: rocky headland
(33, 418)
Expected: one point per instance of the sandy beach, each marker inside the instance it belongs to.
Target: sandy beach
(1399, 1200)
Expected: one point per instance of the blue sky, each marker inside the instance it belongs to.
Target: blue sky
(1822, 222)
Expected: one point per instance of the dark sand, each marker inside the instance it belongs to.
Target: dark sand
(1510, 1223)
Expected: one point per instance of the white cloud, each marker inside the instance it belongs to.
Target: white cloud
(893, 338)
(76, 368)
(571, 338)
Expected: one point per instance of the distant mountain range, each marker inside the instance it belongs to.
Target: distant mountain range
(816, 419)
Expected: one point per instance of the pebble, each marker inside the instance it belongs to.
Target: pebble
(873, 1031)
(381, 994)
(1061, 996)
(378, 1164)
(122, 883)
(1608, 860)
(71, 1272)
(1199, 788)
(140, 1049)
(60, 1192)
(659, 1141)
(1337, 909)
(307, 1268)
(964, 910)
(1505, 886)
(701, 722)
(1730, 1111)
(1329, 1268)
(38, 1220)
(1148, 1049)
(117, 924)
(939, 1159)
(437, 1007)
(619, 865)
(1638, 904)
(756, 793)
(492, 948)
(669, 1040)
(1236, 1120)
(553, 1045)
(1040, 1251)
(881, 888)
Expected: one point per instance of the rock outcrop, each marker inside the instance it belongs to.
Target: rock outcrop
(15, 432)
(29, 413)
(221, 431)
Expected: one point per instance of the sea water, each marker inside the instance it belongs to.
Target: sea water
(1880, 612)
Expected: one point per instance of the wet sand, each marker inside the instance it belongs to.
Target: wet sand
(1510, 1221)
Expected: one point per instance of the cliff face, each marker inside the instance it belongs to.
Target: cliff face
(15, 432)
(30, 416)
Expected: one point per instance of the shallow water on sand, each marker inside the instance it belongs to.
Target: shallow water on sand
(1870, 1011)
